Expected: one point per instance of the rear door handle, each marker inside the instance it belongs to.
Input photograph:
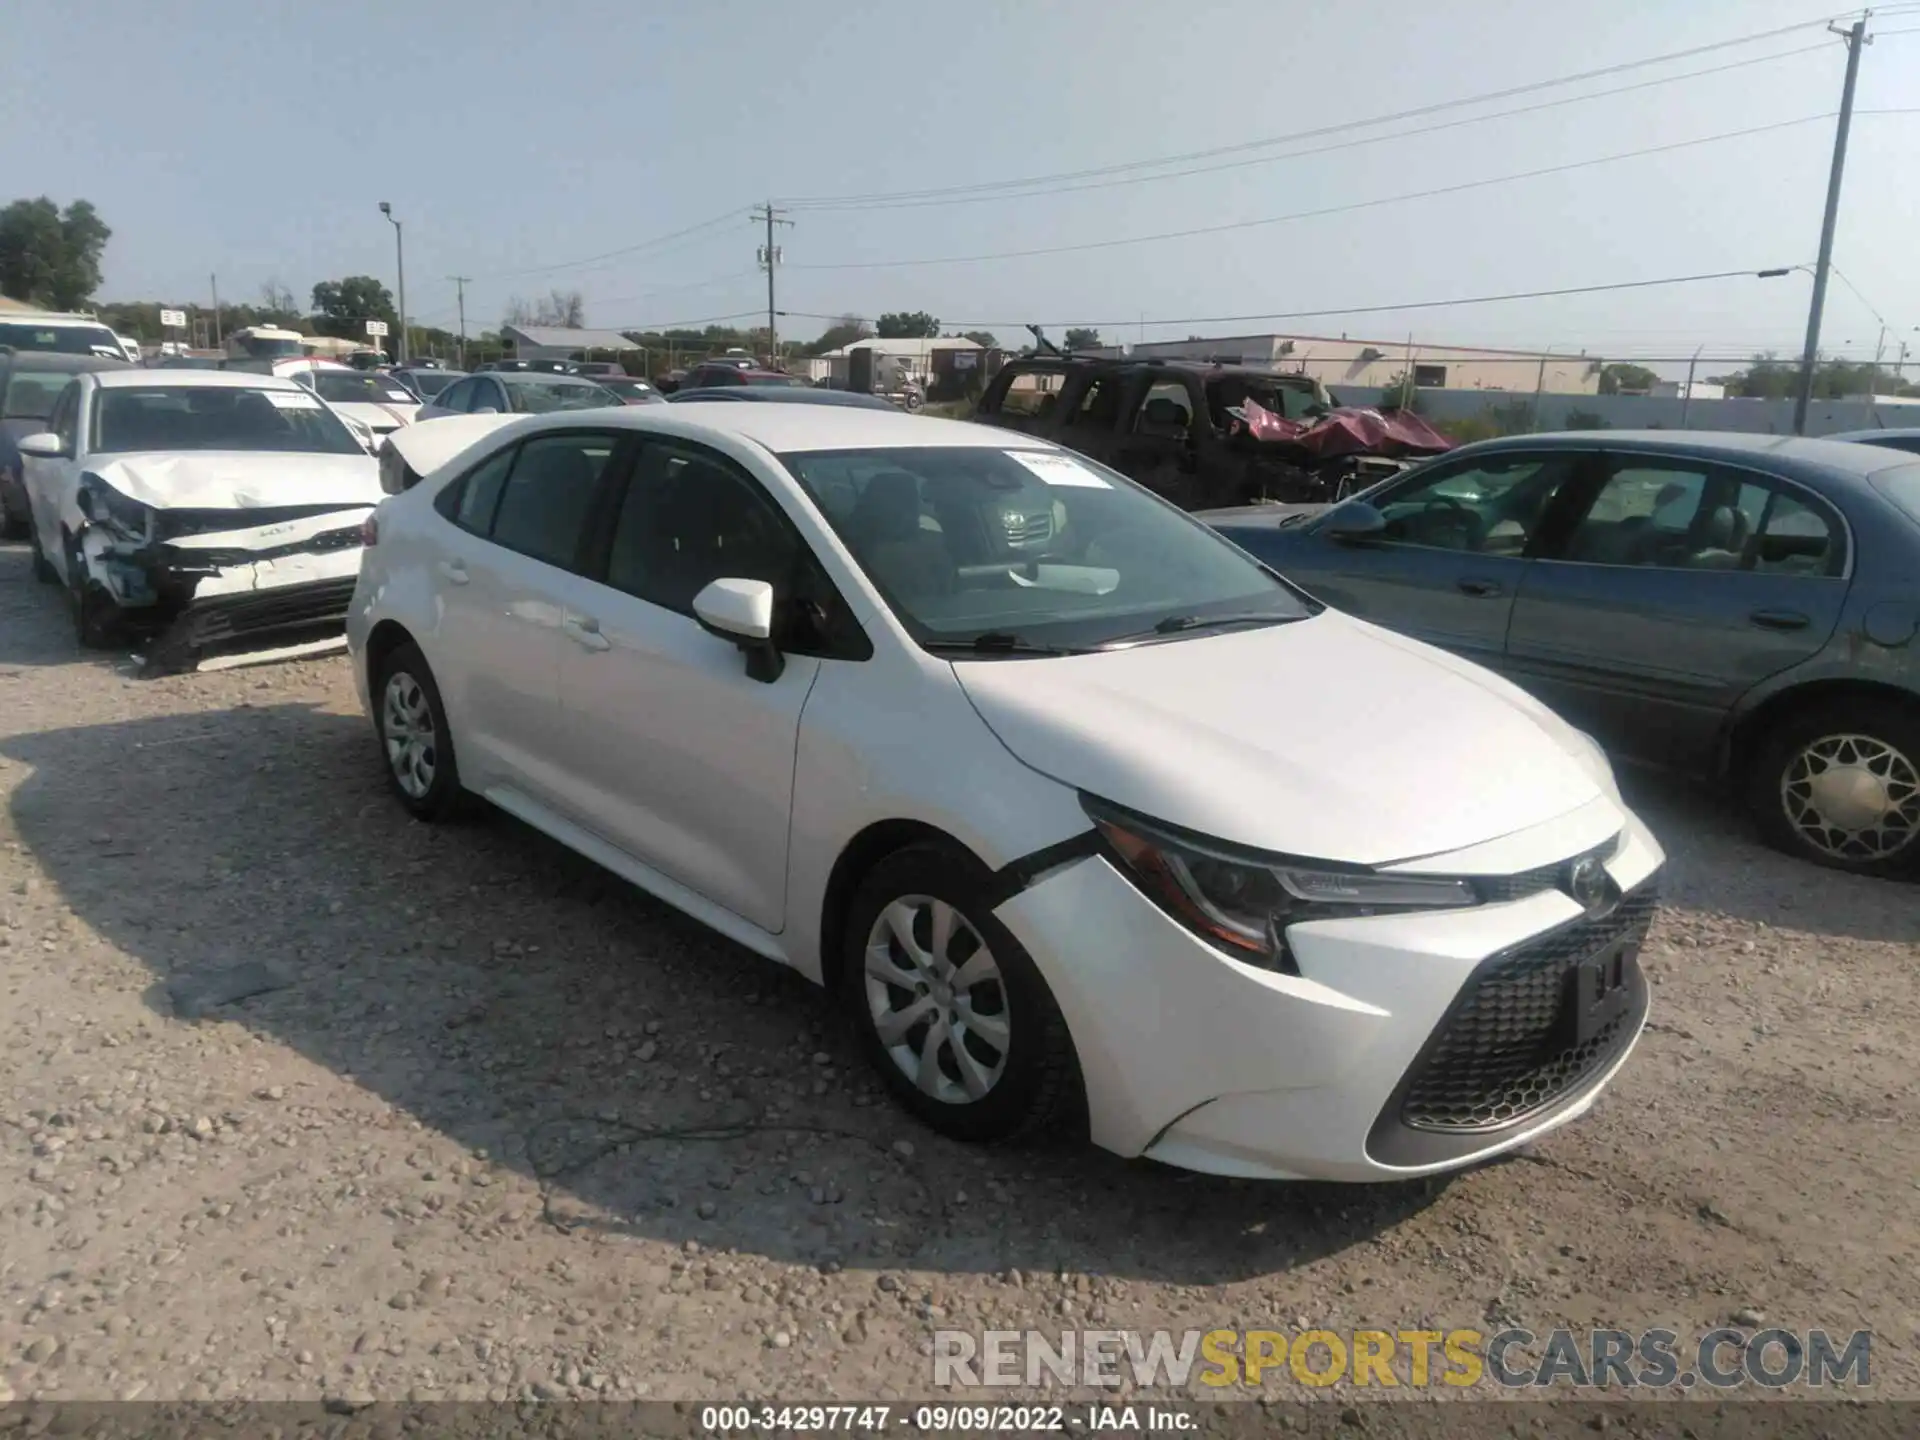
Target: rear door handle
(453, 571)
(1472, 585)
(1779, 619)
(584, 631)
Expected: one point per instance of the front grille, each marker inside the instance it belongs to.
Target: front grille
(1496, 888)
(270, 612)
(1507, 1049)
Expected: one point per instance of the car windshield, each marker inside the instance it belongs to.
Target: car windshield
(1006, 550)
(1902, 486)
(61, 339)
(541, 397)
(753, 379)
(1294, 402)
(627, 386)
(430, 383)
(348, 387)
(222, 417)
(31, 393)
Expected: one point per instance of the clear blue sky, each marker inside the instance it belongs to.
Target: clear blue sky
(255, 139)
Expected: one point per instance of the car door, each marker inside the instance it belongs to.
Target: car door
(1682, 585)
(517, 526)
(678, 756)
(1457, 539)
(51, 482)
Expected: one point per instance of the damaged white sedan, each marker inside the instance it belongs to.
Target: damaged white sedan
(213, 516)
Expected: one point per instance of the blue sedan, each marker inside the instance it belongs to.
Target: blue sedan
(1739, 606)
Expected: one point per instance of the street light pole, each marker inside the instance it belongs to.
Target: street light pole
(1856, 41)
(460, 283)
(400, 265)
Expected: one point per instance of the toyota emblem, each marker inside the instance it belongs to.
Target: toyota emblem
(1591, 887)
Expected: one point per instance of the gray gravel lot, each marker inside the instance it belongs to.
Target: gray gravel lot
(509, 1128)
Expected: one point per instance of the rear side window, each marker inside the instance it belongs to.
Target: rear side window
(1902, 487)
(470, 501)
(544, 505)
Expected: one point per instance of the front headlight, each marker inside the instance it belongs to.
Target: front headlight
(106, 506)
(1246, 901)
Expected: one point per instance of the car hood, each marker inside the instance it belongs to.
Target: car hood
(1327, 738)
(241, 480)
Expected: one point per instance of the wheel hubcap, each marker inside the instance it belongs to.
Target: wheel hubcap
(406, 725)
(1853, 797)
(937, 998)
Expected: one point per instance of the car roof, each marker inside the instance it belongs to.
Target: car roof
(131, 377)
(781, 395)
(1832, 464)
(56, 360)
(1869, 437)
(1205, 368)
(787, 428)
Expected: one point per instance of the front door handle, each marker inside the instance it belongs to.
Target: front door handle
(1779, 619)
(453, 571)
(1473, 585)
(584, 631)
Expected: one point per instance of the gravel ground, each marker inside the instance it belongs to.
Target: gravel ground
(508, 1128)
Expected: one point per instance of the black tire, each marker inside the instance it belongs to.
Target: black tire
(1886, 743)
(441, 797)
(98, 621)
(43, 570)
(12, 526)
(1037, 1089)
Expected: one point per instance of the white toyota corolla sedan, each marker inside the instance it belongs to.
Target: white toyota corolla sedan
(1082, 814)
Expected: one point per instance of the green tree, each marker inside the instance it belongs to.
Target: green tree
(1621, 379)
(51, 257)
(341, 308)
(1081, 338)
(844, 331)
(985, 339)
(908, 325)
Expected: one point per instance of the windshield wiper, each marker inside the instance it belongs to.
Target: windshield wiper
(1181, 624)
(999, 642)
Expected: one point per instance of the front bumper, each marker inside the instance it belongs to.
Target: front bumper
(1200, 1061)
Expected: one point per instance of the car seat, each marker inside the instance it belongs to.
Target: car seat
(885, 532)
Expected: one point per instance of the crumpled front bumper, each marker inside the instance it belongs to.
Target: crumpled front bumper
(278, 589)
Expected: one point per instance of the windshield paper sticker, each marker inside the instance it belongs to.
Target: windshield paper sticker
(1057, 469)
(291, 399)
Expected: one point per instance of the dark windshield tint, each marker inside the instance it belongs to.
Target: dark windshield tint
(207, 417)
(1902, 486)
(61, 339)
(1041, 545)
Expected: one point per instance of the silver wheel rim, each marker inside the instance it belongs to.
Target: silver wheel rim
(1853, 797)
(937, 999)
(406, 725)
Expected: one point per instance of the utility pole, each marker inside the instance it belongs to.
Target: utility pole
(1686, 396)
(460, 283)
(400, 267)
(213, 283)
(769, 259)
(1856, 36)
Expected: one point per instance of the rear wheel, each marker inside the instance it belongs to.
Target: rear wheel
(414, 739)
(948, 1007)
(1840, 785)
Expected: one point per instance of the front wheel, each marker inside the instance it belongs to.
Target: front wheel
(947, 1005)
(1840, 785)
(98, 621)
(411, 722)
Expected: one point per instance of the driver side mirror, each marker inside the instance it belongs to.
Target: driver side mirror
(741, 611)
(44, 446)
(1354, 523)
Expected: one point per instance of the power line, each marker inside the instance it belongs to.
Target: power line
(1390, 135)
(1455, 189)
(1133, 321)
(717, 220)
(1314, 134)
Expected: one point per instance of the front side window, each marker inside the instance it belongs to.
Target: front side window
(1490, 506)
(974, 545)
(208, 417)
(31, 393)
(690, 518)
(1165, 412)
(543, 506)
(64, 421)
